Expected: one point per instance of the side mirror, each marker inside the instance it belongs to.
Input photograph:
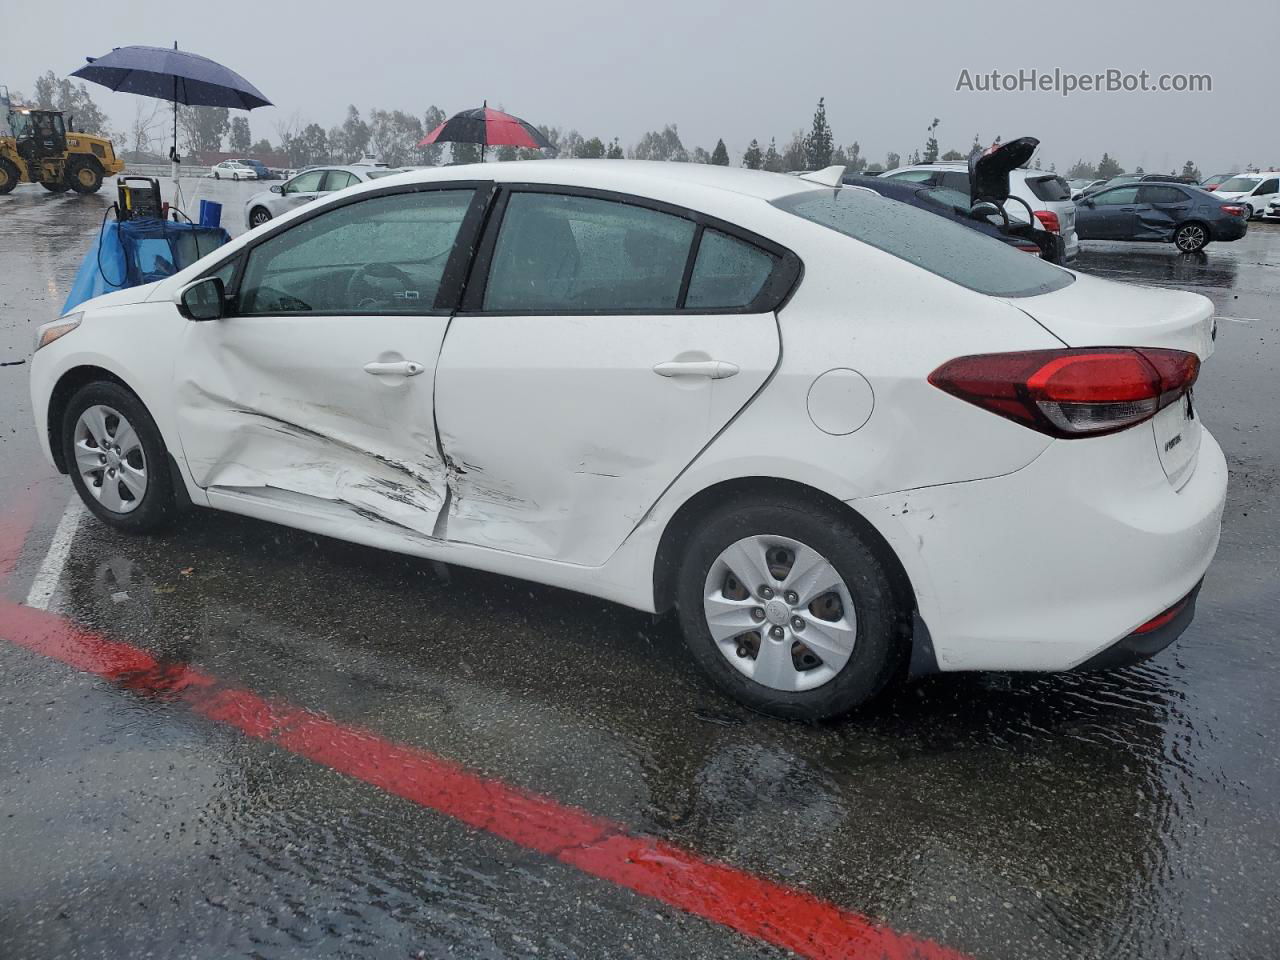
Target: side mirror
(202, 300)
(277, 188)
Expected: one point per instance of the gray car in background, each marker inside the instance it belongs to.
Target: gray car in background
(1183, 215)
(305, 187)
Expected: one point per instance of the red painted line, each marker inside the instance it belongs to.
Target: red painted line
(733, 898)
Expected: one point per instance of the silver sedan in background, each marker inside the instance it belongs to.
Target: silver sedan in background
(305, 187)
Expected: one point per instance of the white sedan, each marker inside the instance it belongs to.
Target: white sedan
(307, 186)
(233, 170)
(837, 433)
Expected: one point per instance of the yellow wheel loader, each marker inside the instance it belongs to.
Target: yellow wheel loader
(35, 147)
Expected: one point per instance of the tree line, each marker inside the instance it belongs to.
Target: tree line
(393, 136)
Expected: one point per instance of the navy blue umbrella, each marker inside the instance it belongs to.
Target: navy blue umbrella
(174, 75)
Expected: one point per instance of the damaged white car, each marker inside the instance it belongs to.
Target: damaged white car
(844, 437)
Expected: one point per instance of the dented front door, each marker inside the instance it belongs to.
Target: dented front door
(315, 395)
(282, 409)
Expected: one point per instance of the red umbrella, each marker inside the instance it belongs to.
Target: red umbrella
(487, 127)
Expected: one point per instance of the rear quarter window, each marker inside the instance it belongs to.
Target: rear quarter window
(954, 252)
(1049, 188)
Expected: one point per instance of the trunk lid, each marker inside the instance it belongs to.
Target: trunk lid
(989, 170)
(1093, 312)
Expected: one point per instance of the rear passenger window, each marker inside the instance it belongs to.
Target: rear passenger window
(1271, 186)
(566, 253)
(727, 273)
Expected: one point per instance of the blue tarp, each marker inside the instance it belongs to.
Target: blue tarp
(139, 251)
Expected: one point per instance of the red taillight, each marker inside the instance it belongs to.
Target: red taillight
(1030, 248)
(1049, 220)
(1233, 210)
(1080, 392)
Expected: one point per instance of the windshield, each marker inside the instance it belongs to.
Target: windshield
(942, 247)
(1240, 184)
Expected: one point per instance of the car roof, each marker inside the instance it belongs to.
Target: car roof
(624, 176)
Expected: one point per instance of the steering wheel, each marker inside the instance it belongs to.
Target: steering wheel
(359, 283)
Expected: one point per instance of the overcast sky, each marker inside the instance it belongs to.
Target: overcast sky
(733, 70)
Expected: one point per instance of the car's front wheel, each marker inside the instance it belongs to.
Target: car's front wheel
(1191, 237)
(258, 216)
(117, 458)
(216, 176)
(789, 610)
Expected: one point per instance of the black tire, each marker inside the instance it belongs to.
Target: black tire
(8, 176)
(84, 176)
(215, 175)
(1191, 237)
(258, 216)
(883, 623)
(158, 505)
(55, 187)
(235, 176)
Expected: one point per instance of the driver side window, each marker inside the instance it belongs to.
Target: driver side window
(384, 255)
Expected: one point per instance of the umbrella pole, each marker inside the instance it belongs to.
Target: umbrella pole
(173, 156)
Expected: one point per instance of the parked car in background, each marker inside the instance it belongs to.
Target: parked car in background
(260, 168)
(964, 459)
(304, 187)
(234, 170)
(1273, 210)
(1089, 186)
(1217, 180)
(956, 206)
(1046, 194)
(1077, 184)
(1185, 216)
(1254, 190)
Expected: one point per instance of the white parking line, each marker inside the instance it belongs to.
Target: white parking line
(50, 572)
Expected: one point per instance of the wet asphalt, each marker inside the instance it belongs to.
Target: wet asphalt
(1126, 815)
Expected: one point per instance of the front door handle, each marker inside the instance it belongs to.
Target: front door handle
(398, 368)
(714, 369)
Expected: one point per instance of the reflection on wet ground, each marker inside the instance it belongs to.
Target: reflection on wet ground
(1120, 815)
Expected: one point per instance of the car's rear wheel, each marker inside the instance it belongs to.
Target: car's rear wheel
(216, 176)
(788, 609)
(1191, 237)
(117, 458)
(258, 216)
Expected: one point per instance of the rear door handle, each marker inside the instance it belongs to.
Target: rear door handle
(398, 368)
(714, 369)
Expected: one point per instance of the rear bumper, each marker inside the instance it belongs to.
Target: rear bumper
(1145, 644)
(1048, 567)
(1232, 229)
